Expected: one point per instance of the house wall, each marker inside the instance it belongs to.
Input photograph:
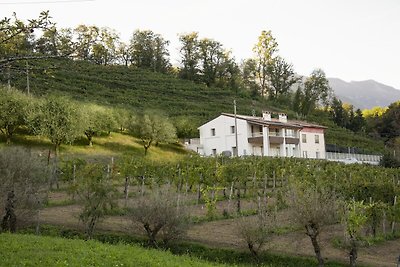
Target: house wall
(224, 139)
(311, 149)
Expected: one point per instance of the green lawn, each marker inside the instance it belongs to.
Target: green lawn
(30, 250)
(113, 145)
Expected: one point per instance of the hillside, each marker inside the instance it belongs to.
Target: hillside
(139, 89)
(364, 94)
(28, 250)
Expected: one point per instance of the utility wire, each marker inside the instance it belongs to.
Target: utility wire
(45, 2)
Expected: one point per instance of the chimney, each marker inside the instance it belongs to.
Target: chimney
(282, 117)
(266, 115)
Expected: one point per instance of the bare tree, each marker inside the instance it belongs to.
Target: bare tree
(313, 207)
(23, 187)
(159, 217)
(256, 230)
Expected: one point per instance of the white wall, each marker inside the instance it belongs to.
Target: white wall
(224, 140)
(310, 146)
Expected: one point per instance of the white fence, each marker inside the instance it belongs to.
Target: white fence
(353, 158)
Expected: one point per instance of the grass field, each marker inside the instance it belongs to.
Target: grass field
(115, 144)
(29, 250)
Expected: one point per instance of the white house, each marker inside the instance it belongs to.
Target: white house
(261, 136)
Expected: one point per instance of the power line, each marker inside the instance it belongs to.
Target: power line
(46, 2)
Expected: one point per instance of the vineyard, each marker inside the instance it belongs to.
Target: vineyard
(359, 200)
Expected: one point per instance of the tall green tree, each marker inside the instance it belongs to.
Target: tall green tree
(338, 113)
(249, 76)
(48, 42)
(149, 50)
(389, 125)
(105, 49)
(189, 56)
(281, 76)
(316, 91)
(358, 122)
(211, 56)
(86, 37)
(264, 53)
(228, 73)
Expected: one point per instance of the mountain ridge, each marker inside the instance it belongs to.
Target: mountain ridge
(364, 94)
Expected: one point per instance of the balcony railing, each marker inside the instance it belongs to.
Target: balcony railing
(279, 134)
(276, 134)
(256, 134)
(292, 135)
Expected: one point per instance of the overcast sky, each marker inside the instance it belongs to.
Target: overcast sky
(348, 39)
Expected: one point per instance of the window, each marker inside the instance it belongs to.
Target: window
(303, 138)
(212, 131)
(214, 152)
(290, 133)
(317, 139)
(317, 154)
(305, 154)
(232, 129)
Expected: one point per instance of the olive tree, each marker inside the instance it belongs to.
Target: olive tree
(23, 187)
(98, 119)
(256, 230)
(153, 128)
(159, 216)
(13, 111)
(313, 207)
(58, 119)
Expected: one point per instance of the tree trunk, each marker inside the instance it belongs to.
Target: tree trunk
(126, 190)
(38, 222)
(9, 222)
(238, 201)
(353, 253)
(151, 234)
(252, 250)
(56, 149)
(8, 139)
(313, 232)
(91, 226)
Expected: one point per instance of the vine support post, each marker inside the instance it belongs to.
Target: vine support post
(126, 190)
(393, 222)
(274, 181)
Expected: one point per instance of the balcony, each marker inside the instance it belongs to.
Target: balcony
(273, 133)
(256, 134)
(276, 139)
